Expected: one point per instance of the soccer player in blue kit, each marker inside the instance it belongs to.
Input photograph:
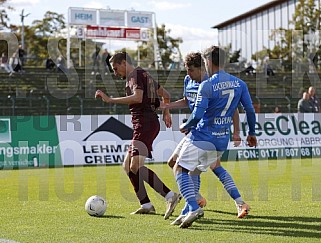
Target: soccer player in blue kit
(209, 124)
(196, 73)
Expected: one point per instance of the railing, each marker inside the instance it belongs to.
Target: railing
(28, 94)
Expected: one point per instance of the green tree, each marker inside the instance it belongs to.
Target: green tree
(235, 62)
(235, 56)
(306, 16)
(167, 46)
(307, 19)
(4, 24)
(232, 57)
(51, 23)
(4, 18)
(39, 32)
(293, 45)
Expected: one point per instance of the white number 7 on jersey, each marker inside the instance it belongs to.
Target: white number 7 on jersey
(230, 93)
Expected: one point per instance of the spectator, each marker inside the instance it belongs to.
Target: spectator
(105, 61)
(277, 109)
(15, 63)
(21, 54)
(267, 68)
(304, 106)
(249, 70)
(5, 64)
(61, 64)
(96, 61)
(50, 65)
(314, 101)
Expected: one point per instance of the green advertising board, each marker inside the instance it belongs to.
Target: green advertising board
(29, 142)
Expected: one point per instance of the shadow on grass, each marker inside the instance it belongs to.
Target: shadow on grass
(146, 214)
(265, 225)
(281, 218)
(134, 215)
(111, 217)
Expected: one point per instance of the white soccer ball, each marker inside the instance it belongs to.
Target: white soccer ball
(96, 206)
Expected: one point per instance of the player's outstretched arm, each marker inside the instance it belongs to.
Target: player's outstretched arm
(178, 104)
(135, 98)
(102, 95)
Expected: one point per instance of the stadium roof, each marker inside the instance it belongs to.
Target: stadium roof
(250, 13)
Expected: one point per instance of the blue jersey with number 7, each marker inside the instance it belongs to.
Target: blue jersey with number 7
(217, 99)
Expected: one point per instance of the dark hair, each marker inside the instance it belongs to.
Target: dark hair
(194, 59)
(216, 55)
(120, 56)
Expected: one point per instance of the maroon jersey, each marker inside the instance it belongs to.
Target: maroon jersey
(145, 120)
(140, 79)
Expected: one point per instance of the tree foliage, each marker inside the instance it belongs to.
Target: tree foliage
(4, 18)
(306, 16)
(36, 35)
(40, 31)
(51, 23)
(235, 56)
(4, 27)
(167, 46)
(299, 43)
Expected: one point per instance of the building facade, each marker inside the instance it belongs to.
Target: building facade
(250, 31)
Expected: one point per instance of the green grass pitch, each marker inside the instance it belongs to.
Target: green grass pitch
(47, 205)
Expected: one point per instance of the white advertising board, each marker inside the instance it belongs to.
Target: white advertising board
(105, 139)
(88, 140)
(82, 16)
(139, 19)
(111, 18)
(289, 135)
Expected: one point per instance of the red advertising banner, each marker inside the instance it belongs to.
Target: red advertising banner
(116, 32)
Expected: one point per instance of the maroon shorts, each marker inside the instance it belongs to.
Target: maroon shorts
(146, 128)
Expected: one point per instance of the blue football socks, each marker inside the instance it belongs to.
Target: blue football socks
(186, 187)
(227, 182)
(197, 183)
(185, 209)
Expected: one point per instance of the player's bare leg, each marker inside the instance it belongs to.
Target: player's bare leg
(172, 160)
(131, 166)
(172, 199)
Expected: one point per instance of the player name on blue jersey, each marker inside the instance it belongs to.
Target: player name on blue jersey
(226, 85)
(223, 120)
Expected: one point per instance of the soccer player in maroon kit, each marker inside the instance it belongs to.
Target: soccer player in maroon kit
(142, 93)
